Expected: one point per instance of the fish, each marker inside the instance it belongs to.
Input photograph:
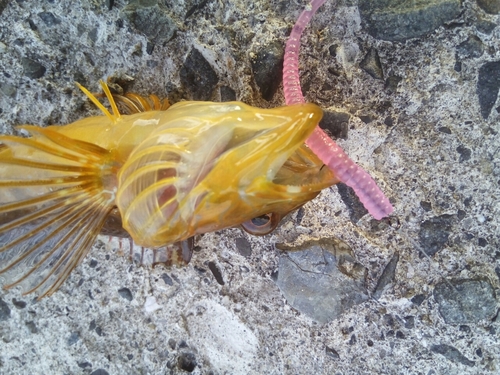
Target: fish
(158, 175)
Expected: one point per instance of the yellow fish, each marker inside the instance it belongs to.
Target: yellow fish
(164, 175)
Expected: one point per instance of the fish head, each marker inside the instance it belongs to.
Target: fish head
(211, 166)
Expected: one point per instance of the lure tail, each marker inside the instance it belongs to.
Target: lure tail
(55, 193)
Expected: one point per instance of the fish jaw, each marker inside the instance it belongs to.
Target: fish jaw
(225, 157)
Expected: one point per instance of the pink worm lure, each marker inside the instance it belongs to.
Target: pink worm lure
(321, 144)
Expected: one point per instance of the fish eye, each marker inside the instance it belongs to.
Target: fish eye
(263, 224)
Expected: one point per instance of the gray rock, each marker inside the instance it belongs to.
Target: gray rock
(244, 247)
(198, 77)
(337, 123)
(488, 85)
(372, 65)
(186, 361)
(387, 276)
(33, 69)
(473, 47)
(150, 19)
(489, 6)
(465, 301)
(126, 294)
(452, 353)
(402, 20)
(434, 234)
(351, 200)
(267, 68)
(321, 278)
(4, 310)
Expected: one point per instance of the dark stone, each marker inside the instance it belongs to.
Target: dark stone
(100, 371)
(125, 293)
(392, 82)
(167, 279)
(418, 299)
(489, 6)
(445, 130)
(197, 76)
(216, 272)
(353, 340)
(485, 27)
(434, 234)
(186, 361)
(465, 301)
(332, 353)
(464, 152)
(267, 69)
(197, 6)
(482, 242)
(371, 64)
(73, 338)
(400, 335)
(426, 206)
(32, 69)
(3, 5)
(337, 123)
(488, 85)
(4, 310)
(244, 246)
(171, 343)
(150, 19)
(227, 94)
(18, 303)
(31, 326)
(109, 4)
(49, 19)
(452, 354)
(183, 344)
(387, 276)
(84, 365)
(471, 48)
(402, 20)
(321, 278)
(409, 322)
(351, 200)
(93, 263)
(389, 121)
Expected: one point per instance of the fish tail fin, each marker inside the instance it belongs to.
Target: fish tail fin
(55, 194)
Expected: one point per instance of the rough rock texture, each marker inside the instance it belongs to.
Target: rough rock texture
(426, 128)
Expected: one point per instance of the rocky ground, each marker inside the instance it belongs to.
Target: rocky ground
(409, 89)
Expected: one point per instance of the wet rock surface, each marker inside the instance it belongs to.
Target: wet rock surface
(421, 115)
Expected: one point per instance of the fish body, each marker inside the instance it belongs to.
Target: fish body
(165, 176)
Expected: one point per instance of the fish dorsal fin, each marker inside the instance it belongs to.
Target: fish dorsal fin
(52, 207)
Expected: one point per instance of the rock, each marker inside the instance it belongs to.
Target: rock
(186, 361)
(216, 272)
(4, 310)
(434, 234)
(150, 19)
(402, 20)
(471, 48)
(244, 246)
(32, 69)
(125, 293)
(267, 66)
(465, 301)
(452, 353)
(387, 276)
(488, 85)
(337, 123)
(321, 278)
(197, 76)
(489, 6)
(372, 65)
(351, 200)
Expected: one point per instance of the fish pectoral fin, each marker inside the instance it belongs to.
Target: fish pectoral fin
(52, 207)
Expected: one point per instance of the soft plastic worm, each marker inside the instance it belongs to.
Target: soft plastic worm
(323, 146)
